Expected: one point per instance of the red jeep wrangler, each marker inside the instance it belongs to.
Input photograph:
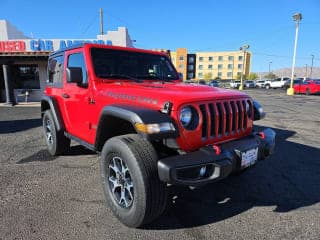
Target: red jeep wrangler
(151, 130)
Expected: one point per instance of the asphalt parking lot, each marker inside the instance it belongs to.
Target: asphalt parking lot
(44, 197)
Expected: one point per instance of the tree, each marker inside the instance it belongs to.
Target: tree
(270, 76)
(253, 76)
(207, 76)
(239, 77)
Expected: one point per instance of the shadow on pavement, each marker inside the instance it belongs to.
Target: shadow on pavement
(19, 125)
(288, 180)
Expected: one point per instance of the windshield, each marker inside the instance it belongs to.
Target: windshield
(118, 64)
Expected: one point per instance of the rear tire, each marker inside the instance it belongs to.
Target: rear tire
(267, 86)
(57, 143)
(132, 189)
(308, 91)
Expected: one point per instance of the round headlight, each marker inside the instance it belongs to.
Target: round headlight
(186, 116)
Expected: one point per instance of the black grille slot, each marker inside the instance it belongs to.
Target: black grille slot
(234, 119)
(205, 120)
(220, 111)
(245, 114)
(213, 120)
(239, 105)
(226, 107)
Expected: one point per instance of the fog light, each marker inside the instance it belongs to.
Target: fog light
(202, 171)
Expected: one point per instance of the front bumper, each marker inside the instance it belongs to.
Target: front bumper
(205, 165)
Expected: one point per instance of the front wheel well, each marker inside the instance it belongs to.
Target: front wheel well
(111, 126)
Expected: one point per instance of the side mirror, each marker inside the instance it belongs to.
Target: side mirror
(258, 111)
(74, 75)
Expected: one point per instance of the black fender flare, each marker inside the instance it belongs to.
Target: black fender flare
(133, 115)
(53, 106)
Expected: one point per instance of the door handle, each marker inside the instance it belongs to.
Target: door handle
(65, 95)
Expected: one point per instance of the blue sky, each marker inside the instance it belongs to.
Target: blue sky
(224, 25)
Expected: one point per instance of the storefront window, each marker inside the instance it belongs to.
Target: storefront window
(25, 76)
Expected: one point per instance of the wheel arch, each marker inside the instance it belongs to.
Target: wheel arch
(119, 120)
(49, 103)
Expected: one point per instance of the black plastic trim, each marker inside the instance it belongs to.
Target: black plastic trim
(228, 161)
(55, 111)
(80, 141)
(136, 115)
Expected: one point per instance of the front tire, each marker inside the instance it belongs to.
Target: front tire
(130, 180)
(57, 143)
(308, 91)
(267, 86)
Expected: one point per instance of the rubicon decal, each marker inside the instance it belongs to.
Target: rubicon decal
(123, 96)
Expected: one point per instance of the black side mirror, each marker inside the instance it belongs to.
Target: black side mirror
(258, 111)
(74, 75)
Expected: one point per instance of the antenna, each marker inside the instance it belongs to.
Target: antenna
(101, 21)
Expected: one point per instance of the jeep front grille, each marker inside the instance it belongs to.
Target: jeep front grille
(225, 118)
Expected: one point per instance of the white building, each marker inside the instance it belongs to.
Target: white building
(23, 60)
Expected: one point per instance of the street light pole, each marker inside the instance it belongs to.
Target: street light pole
(270, 67)
(306, 70)
(297, 18)
(312, 57)
(243, 49)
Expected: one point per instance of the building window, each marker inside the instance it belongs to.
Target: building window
(240, 58)
(210, 59)
(220, 66)
(190, 67)
(181, 58)
(220, 58)
(200, 67)
(239, 66)
(181, 66)
(230, 58)
(191, 59)
(229, 74)
(239, 73)
(200, 75)
(230, 66)
(200, 59)
(190, 75)
(27, 76)
(219, 74)
(210, 66)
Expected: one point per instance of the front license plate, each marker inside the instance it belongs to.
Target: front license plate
(249, 157)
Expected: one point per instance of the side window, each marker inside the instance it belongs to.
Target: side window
(55, 71)
(77, 60)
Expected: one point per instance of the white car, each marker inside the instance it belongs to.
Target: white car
(276, 83)
(235, 84)
(260, 83)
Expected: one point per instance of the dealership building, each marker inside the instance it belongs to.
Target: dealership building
(23, 60)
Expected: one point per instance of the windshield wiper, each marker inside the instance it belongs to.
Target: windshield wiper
(123, 76)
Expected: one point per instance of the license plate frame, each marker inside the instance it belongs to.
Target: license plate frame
(249, 157)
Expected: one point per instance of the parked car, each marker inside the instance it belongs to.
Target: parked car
(260, 83)
(250, 84)
(214, 83)
(295, 81)
(235, 84)
(276, 83)
(308, 87)
(202, 82)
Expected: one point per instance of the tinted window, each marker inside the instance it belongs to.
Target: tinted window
(55, 70)
(117, 64)
(77, 60)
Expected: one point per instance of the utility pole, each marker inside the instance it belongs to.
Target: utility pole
(297, 18)
(312, 57)
(269, 68)
(243, 49)
(101, 21)
(306, 71)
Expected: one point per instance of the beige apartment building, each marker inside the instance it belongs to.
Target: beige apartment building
(211, 65)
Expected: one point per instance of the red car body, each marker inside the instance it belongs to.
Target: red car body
(308, 87)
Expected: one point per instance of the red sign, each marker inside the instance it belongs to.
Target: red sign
(12, 46)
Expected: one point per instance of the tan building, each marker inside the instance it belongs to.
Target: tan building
(210, 65)
(225, 65)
